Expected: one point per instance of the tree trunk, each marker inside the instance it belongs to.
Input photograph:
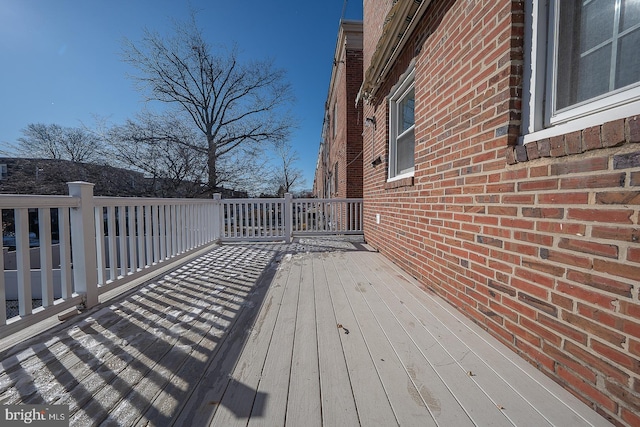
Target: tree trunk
(211, 163)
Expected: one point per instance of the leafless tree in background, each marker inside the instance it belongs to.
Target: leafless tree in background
(232, 104)
(285, 176)
(164, 149)
(58, 142)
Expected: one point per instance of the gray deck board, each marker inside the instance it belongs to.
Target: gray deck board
(406, 336)
(371, 400)
(338, 405)
(331, 334)
(303, 403)
(271, 401)
(408, 406)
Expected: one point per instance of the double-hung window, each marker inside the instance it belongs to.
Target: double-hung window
(595, 56)
(583, 67)
(402, 129)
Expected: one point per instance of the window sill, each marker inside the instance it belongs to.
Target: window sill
(602, 117)
(607, 135)
(398, 183)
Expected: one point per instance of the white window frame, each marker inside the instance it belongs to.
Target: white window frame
(539, 119)
(397, 94)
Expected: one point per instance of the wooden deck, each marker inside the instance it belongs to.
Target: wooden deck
(314, 333)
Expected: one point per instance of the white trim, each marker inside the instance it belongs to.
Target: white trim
(539, 121)
(535, 65)
(601, 117)
(402, 176)
(592, 105)
(400, 90)
(600, 104)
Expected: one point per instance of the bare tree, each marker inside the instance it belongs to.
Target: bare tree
(58, 142)
(286, 176)
(165, 149)
(231, 103)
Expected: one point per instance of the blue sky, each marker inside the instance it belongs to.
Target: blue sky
(61, 58)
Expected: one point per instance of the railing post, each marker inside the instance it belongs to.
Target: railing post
(217, 216)
(288, 216)
(83, 243)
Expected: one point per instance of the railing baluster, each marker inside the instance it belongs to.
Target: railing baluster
(46, 262)
(173, 224)
(148, 235)
(22, 260)
(65, 253)
(113, 242)
(122, 240)
(161, 231)
(100, 245)
(194, 226)
(181, 226)
(131, 229)
(155, 230)
(139, 237)
(3, 298)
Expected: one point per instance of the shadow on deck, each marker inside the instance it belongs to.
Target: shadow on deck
(321, 331)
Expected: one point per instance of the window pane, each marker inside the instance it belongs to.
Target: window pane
(596, 24)
(406, 108)
(585, 40)
(630, 15)
(628, 66)
(405, 152)
(593, 75)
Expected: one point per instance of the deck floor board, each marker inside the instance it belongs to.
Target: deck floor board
(320, 332)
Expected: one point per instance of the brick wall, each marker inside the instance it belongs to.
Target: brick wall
(353, 117)
(345, 146)
(539, 244)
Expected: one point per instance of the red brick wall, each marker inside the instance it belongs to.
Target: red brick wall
(539, 244)
(353, 118)
(345, 148)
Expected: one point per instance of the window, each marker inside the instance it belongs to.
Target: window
(594, 56)
(402, 129)
(3, 171)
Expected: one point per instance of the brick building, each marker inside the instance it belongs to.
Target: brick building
(502, 170)
(339, 166)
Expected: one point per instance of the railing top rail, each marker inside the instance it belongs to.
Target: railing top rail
(253, 200)
(134, 201)
(13, 201)
(328, 200)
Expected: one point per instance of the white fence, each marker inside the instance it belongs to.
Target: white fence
(280, 219)
(86, 245)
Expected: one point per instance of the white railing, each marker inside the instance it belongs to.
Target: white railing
(102, 243)
(284, 218)
(85, 245)
(326, 216)
(254, 219)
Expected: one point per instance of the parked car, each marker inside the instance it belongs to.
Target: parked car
(9, 241)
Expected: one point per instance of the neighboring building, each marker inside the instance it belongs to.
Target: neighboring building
(339, 166)
(50, 176)
(502, 170)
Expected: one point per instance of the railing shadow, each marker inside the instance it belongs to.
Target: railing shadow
(142, 357)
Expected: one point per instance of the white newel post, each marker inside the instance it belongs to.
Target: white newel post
(217, 217)
(288, 216)
(83, 244)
